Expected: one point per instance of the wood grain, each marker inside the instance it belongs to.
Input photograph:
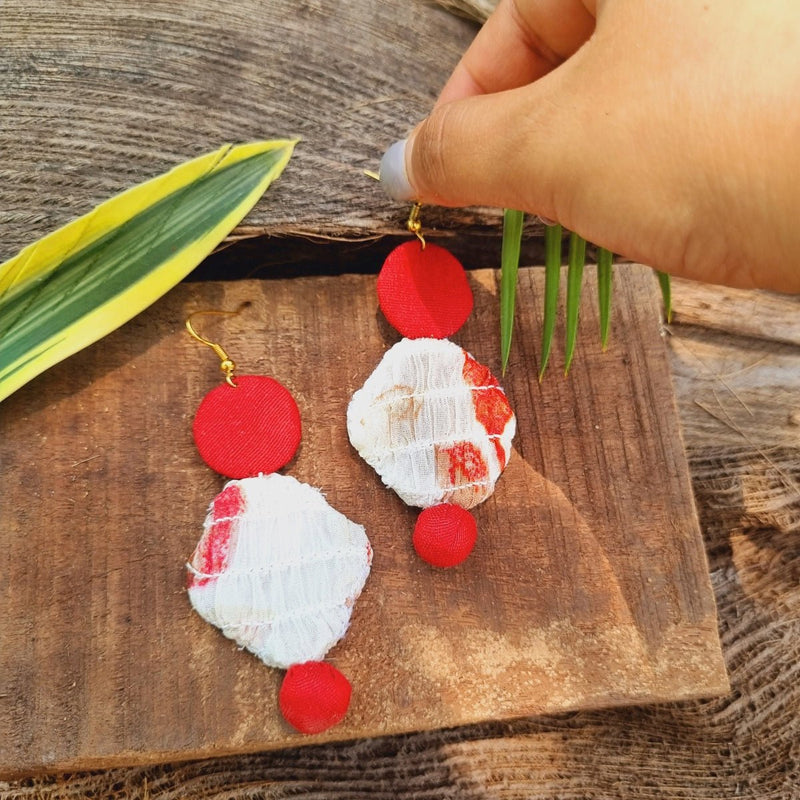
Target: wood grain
(589, 585)
(736, 366)
(742, 745)
(86, 108)
(763, 315)
(95, 97)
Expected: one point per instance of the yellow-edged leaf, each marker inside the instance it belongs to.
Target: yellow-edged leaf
(82, 281)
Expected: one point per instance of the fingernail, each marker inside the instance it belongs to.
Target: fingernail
(394, 177)
(546, 220)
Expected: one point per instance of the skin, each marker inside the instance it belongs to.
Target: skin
(667, 131)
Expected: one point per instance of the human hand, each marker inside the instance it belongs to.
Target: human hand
(667, 132)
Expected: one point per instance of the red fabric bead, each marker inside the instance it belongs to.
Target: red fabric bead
(424, 293)
(314, 696)
(445, 535)
(252, 428)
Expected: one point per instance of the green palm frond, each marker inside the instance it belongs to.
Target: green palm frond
(577, 261)
(552, 278)
(509, 260)
(666, 294)
(512, 235)
(605, 260)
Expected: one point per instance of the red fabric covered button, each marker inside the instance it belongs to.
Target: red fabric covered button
(424, 293)
(445, 535)
(249, 429)
(314, 696)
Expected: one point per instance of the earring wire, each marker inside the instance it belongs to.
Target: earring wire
(226, 363)
(413, 223)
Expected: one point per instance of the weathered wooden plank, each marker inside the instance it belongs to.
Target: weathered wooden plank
(95, 97)
(589, 585)
(755, 314)
(736, 367)
(739, 746)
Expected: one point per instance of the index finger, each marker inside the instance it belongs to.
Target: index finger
(521, 41)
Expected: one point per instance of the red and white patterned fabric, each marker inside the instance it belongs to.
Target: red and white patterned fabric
(433, 423)
(278, 570)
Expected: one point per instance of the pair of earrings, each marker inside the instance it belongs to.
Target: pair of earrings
(277, 569)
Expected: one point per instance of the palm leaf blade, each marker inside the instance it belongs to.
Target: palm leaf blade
(509, 268)
(605, 259)
(666, 294)
(577, 259)
(552, 278)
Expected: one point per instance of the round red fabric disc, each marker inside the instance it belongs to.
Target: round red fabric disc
(424, 293)
(314, 696)
(445, 535)
(252, 428)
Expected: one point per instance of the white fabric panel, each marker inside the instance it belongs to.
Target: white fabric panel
(293, 571)
(415, 413)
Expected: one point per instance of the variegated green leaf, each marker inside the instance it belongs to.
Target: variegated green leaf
(82, 281)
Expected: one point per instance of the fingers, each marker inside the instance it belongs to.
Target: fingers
(521, 41)
(571, 146)
(503, 149)
(656, 140)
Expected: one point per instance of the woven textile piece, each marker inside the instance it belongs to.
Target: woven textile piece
(424, 292)
(433, 423)
(278, 569)
(251, 428)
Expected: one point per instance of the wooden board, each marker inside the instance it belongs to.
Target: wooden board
(97, 96)
(588, 587)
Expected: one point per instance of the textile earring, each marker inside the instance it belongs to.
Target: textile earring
(432, 421)
(277, 569)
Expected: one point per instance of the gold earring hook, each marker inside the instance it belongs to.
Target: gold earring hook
(226, 363)
(413, 223)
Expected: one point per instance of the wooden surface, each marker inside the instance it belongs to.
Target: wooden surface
(589, 586)
(741, 745)
(96, 96)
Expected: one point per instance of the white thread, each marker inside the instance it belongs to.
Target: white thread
(289, 615)
(424, 444)
(445, 391)
(274, 566)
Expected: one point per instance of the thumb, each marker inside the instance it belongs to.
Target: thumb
(513, 149)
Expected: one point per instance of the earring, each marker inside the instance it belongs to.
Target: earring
(277, 569)
(432, 421)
